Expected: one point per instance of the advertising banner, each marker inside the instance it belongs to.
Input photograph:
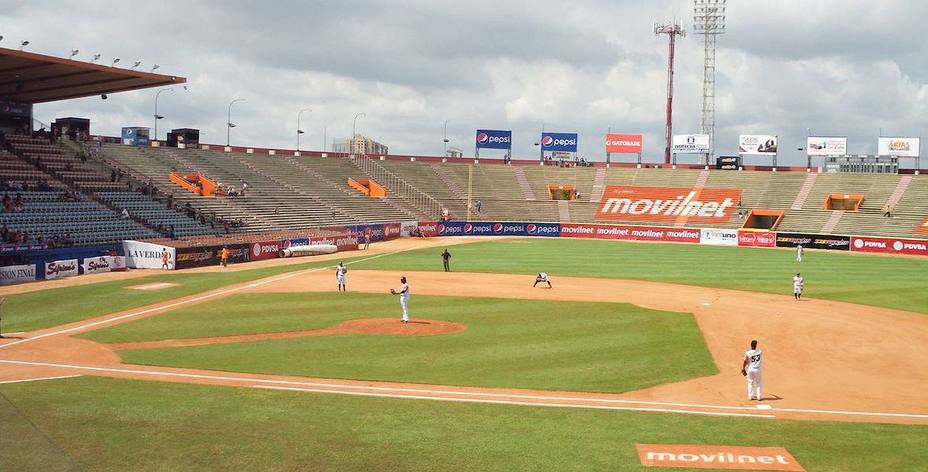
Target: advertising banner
(391, 231)
(814, 241)
(407, 228)
(901, 147)
(825, 146)
(344, 242)
(763, 144)
(630, 233)
(428, 229)
(913, 247)
(375, 231)
(188, 257)
(17, 273)
(718, 237)
(564, 142)
(623, 143)
(60, 269)
(488, 228)
(757, 238)
(265, 250)
(286, 243)
(494, 139)
(690, 144)
(93, 265)
(704, 205)
(141, 255)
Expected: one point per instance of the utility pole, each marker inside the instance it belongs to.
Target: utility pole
(672, 31)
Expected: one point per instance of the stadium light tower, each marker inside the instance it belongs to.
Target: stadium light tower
(157, 116)
(299, 130)
(354, 132)
(229, 123)
(672, 31)
(709, 21)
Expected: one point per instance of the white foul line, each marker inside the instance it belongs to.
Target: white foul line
(510, 402)
(196, 299)
(308, 386)
(38, 379)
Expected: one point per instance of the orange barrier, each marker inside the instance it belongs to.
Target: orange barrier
(555, 189)
(368, 187)
(840, 201)
(195, 183)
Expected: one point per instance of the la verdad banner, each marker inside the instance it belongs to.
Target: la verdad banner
(623, 143)
(705, 205)
(901, 147)
(141, 255)
(824, 146)
(764, 144)
(690, 144)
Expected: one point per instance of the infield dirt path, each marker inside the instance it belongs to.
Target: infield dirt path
(819, 355)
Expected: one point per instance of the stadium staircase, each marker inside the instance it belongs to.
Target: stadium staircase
(563, 211)
(804, 192)
(599, 186)
(456, 189)
(523, 184)
(398, 187)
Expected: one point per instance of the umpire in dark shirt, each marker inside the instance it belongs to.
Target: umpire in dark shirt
(446, 258)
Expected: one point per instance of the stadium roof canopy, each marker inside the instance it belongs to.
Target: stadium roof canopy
(36, 78)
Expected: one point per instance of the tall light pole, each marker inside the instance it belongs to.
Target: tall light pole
(299, 130)
(541, 147)
(157, 116)
(709, 21)
(445, 140)
(229, 124)
(672, 31)
(354, 131)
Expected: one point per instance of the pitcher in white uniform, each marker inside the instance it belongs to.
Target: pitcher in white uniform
(404, 298)
(750, 368)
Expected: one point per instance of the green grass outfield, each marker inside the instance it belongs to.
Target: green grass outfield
(104, 424)
(597, 347)
(892, 282)
(52, 307)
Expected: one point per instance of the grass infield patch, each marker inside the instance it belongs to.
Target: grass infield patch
(597, 347)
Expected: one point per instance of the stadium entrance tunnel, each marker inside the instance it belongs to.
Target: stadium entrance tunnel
(846, 202)
(763, 219)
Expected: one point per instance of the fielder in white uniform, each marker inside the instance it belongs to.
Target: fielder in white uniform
(542, 277)
(750, 368)
(404, 298)
(799, 253)
(340, 272)
(798, 282)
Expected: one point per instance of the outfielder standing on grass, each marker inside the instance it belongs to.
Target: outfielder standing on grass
(750, 368)
(340, 272)
(404, 298)
(799, 253)
(798, 282)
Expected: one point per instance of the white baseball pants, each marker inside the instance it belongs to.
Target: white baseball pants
(404, 302)
(754, 381)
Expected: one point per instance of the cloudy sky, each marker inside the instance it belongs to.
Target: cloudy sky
(843, 68)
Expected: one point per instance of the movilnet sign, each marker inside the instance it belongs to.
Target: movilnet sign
(912, 247)
(717, 457)
(630, 233)
(623, 143)
(668, 204)
(428, 229)
(60, 269)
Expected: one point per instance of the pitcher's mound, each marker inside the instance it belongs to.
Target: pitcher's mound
(393, 327)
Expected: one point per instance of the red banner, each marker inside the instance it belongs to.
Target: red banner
(623, 143)
(391, 231)
(630, 233)
(670, 204)
(913, 247)
(344, 242)
(428, 229)
(757, 238)
(265, 250)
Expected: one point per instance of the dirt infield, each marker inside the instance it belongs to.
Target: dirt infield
(368, 326)
(824, 360)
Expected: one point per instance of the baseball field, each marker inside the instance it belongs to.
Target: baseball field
(265, 366)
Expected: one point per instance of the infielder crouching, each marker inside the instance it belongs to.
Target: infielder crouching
(542, 278)
(750, 368)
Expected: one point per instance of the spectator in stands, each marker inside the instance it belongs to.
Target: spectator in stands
(888, 211)
(43, 186)
(577, 195)
(244, 188)
(477, 205)
(125, 214)
(5, 234)
(113, 176)
(172, 233)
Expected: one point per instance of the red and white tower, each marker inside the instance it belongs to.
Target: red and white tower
(672, 31)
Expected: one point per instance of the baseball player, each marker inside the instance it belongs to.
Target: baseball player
(340, 272)
(446, 260)
(542, 277)
(798, 282)
(224, 256)
(165, 258)
(799, 253)
(750, 368)
(367, 237)
(404, 298)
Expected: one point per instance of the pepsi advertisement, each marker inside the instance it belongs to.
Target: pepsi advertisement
(565, 142)
(485, 228)
(494, 139)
